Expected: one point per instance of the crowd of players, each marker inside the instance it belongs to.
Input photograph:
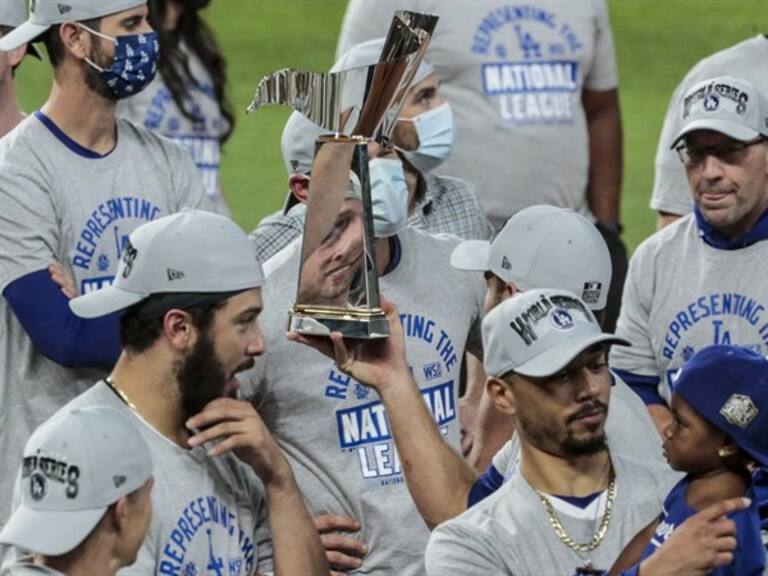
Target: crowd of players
(155, 417)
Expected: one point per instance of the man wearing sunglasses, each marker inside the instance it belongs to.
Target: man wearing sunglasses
(701, 280)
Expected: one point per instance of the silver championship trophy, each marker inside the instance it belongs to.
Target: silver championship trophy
(338, 287)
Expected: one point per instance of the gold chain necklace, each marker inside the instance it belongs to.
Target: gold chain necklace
(120, 393)
(598, 536)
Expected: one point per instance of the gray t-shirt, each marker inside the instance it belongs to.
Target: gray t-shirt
(334, 430)
(25, 567)
(60, 204)
(682, 294)
(510, 532)
(155, 109)
(746, 60)
(513, 73)
(628, 427)
(209, 514)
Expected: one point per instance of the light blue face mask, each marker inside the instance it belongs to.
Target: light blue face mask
(435, 131)
(389, 196)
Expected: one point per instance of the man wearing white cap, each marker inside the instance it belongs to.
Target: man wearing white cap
(74, 182)
(12, 13)
(701, 280)
(575, 502)
(350, 473)
(545, 247)
(225, 499)
(84, 495)
(671, 197)
(423, 138)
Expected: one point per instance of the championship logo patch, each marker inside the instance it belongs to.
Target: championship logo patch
(128, 257)
(739, 410)
(590, 294)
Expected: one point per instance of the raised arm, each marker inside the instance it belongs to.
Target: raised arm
(438, 479)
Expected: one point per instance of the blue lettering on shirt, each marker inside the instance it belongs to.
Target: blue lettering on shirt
(197, 528)
(719, 311)
(104, 235)
(541, 88)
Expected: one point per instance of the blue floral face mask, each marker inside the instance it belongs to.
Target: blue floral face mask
(135, 63)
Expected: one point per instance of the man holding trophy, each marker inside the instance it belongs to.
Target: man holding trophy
(333, 429)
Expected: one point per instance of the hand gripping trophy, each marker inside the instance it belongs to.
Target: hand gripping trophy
(338, 288)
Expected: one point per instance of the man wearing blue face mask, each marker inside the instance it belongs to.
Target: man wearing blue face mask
(423, 139)
(74, 182)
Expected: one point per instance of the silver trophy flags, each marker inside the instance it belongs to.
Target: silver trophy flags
(338, 288)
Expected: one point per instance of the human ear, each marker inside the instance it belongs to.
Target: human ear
(502, 396)
(177, 326)
(299, 185)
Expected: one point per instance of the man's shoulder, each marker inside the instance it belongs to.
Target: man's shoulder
(669, 238)
(719, 62)
(153, 143)
(26, 140)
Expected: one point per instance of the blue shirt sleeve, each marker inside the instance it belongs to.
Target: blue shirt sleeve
(647, 387)
(487, 484)
(750, 556)
(43, 311)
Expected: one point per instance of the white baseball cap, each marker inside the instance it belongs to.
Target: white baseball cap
(538, 333)
(728, 105)
(544, 247)
(75, 466)
(46, 13)
(13, 13)
(192, 251)
(300, 133)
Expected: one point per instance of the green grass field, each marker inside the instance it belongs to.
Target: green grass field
(657, 41)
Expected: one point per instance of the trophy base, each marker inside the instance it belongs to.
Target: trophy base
(360, 323)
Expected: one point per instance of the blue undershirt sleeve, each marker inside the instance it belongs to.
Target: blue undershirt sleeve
(43, 310)
(647, 387)
(487, 484)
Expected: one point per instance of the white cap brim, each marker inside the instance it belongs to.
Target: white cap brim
(732, 129)
(554, 359)
(105, 301)
(50, 532)
(21, 35)
(471, 255)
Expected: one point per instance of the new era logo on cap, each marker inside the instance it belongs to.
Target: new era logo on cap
(64, 8)
(591, 293)
(174, 274)
(506, 264)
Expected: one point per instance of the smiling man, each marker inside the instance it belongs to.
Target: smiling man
(225, 499)
(701, 280)
(74, 183)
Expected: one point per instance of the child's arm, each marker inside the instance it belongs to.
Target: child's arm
(634, 550)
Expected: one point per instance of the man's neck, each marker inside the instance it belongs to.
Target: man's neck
(10, 115)
(82, 115)
(147, 382)
(564, 476)
(383, 254)
(412, 181)
(94, 556)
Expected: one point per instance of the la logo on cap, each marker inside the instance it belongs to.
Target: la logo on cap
(560, 319)
(711, 103)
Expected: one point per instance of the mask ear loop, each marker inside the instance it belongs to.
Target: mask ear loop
(100, 35)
